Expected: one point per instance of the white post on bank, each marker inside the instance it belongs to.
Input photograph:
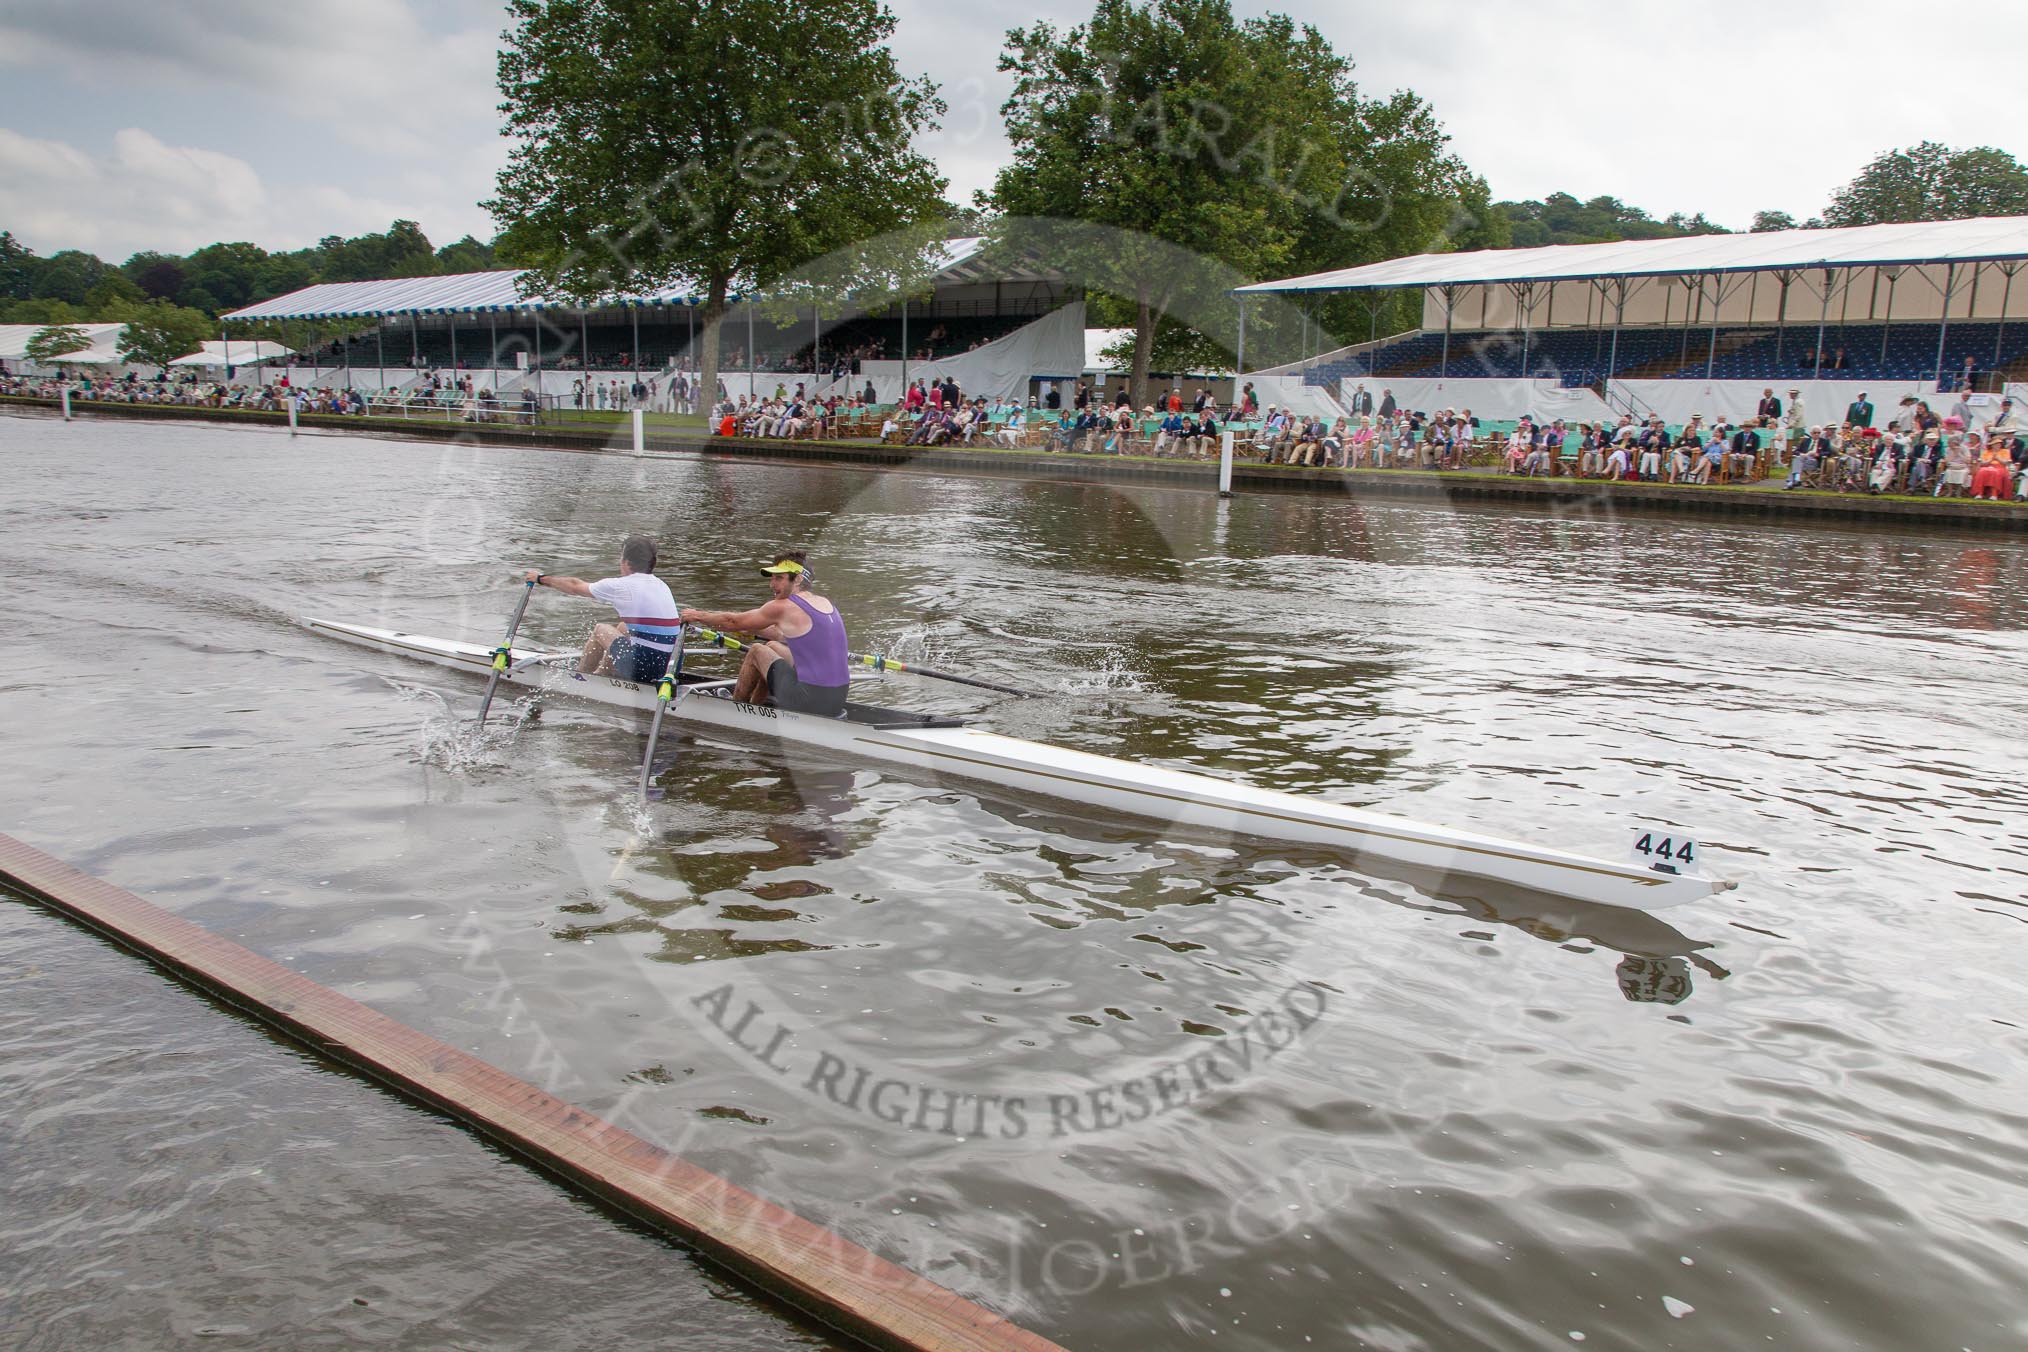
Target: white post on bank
(294, 400)
(640, 431)
(1225, 464)
(66, 403)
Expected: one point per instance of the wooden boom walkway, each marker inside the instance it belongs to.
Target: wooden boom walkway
(821, 1274)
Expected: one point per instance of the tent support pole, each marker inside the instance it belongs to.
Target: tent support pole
(1239, 351)
(1823, 317)
(636, 311)
(454, 347)
(380, 348)
(1944, 329)
(1717, 304)
(1887, 322)
(2006, 296)
(904, 346)
(1450, 293)
(1782, 313)
(1619, 320)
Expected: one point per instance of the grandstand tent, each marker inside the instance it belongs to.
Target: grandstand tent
(1934, 273)
(967, 285)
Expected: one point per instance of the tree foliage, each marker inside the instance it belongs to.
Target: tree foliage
(721, 145)
(1932, 182)
(1164, 148)
(73, 284)
(45, 347)
(160, 332)
(1764, 221)
(17, 263)
(1561, 219)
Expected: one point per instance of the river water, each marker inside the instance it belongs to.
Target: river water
(1133, 1086)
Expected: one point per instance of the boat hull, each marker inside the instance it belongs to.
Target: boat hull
(1374, 841)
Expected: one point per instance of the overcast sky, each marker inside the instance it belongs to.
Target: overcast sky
(134, 124)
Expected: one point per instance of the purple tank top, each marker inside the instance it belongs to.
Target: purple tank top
(820, 654)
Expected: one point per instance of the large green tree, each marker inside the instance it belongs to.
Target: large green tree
(17, 268)
(1164, 149)
(719, 144)
(68, 276)
(160, 332)
(1932, 182)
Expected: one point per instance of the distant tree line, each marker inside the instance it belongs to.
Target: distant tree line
(1926, 182)
(74, 286)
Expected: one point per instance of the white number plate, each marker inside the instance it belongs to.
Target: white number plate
(1663, 850)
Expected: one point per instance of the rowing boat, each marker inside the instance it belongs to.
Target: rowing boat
(949, 747)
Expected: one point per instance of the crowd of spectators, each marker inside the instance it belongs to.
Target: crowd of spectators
(454, 397)
(1918, 451)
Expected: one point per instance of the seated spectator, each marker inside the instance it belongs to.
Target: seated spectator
(1309, 438)
(1591, 450)
(1742, 454)
(1273, 434)
(1009, 433)
(1063, 435)
(1886, 462)
(1995, 471)
(1957, 475)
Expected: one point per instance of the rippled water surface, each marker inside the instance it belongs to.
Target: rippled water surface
(1135, 1087)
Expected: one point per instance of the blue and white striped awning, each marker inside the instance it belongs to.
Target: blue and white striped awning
(501, 293)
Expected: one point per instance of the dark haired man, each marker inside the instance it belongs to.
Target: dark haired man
(638, 647)
(801, 660)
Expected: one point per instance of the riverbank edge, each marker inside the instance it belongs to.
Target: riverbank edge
(1564, 495)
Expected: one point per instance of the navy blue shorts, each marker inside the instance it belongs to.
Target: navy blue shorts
(790, 693)
(637, 661)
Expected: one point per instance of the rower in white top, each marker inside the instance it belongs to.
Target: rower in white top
(639, 646)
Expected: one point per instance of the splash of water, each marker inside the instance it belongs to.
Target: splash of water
(1113, 673)
(450, 737)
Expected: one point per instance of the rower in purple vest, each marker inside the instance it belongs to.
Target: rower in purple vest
(802, 660)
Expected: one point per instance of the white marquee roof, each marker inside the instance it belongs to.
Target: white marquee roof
(494, 293)
(216, 353)
(1985, 239)
(100, 346)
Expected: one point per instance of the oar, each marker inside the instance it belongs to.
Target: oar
(879, 663)
(665, 690)
(502, 653)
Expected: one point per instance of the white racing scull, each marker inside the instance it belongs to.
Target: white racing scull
(947, 746)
